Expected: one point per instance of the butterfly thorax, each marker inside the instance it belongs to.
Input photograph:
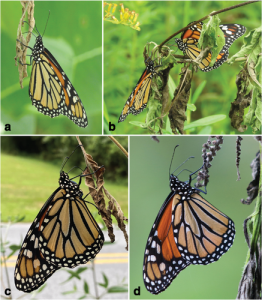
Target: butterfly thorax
(70, 186)
(38, 49)
(180, 44)
(182, 188)
(150, 67)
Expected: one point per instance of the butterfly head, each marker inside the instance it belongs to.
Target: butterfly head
(69, 185)
(38, 47)
(180, 44)
(181, 188)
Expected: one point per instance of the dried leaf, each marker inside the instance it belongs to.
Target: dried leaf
(253, 187)
(244, 95)
(28, 6)
(177, 114)
(98, 194)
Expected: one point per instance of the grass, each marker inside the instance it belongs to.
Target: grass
(27, 183)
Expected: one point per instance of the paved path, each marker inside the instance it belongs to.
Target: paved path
(112, 261)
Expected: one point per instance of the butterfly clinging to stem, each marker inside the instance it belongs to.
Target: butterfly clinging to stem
(190, 37)
(187, 230)
(138, 99)
(63, 234)
(50, 90)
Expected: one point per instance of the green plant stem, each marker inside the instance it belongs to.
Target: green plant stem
(94, 277)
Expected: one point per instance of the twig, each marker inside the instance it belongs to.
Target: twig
(94, 277)
(119, 145)
(204, 18)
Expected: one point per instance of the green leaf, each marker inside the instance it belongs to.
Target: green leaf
(117, 289)
(191, 107)
(254, 116)
(105, 284)
(154, 110)
(251, 47)
(198, 91)
(171, 86)
(140, 124)
(70, 292)
(212, 37)
(14, 248)
(165, 131)
(86, 287)
(205, 130)
(205, 121)
(75, 274)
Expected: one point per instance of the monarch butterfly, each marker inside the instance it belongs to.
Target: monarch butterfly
(63, 234)
(50, 90)
(138, 99)
(187, 230)
(190, 37)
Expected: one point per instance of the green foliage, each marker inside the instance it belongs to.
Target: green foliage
(107, 289)
(77, 48)
(55, 149)
(212, 37)
(205, 121)
(29, 182)
(252, 49)
(124, 62)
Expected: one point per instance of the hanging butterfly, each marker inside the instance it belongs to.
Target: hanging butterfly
(138, 99)
(187, 230)
(63, 234)
(50, 90)
(189, 40)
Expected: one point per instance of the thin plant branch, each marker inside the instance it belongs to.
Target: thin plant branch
(119, 145)
(94, 278)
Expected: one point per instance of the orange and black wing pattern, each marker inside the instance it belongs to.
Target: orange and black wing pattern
(50, 90)
(32, 269)
(162, 259)
(64, 234)
(138, 99)
(189, 40)
(188, 230)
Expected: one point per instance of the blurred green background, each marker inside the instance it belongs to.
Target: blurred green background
(149, 187)
(30, 168)
(124, 62)
(74, 37)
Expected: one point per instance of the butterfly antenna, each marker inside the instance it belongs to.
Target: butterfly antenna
(30, 32)
(183, 163)
(67, 158)
(172, 160)
(46, 23)
(184, 170)
(32, 28)
(84, 175)
(73, 168)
